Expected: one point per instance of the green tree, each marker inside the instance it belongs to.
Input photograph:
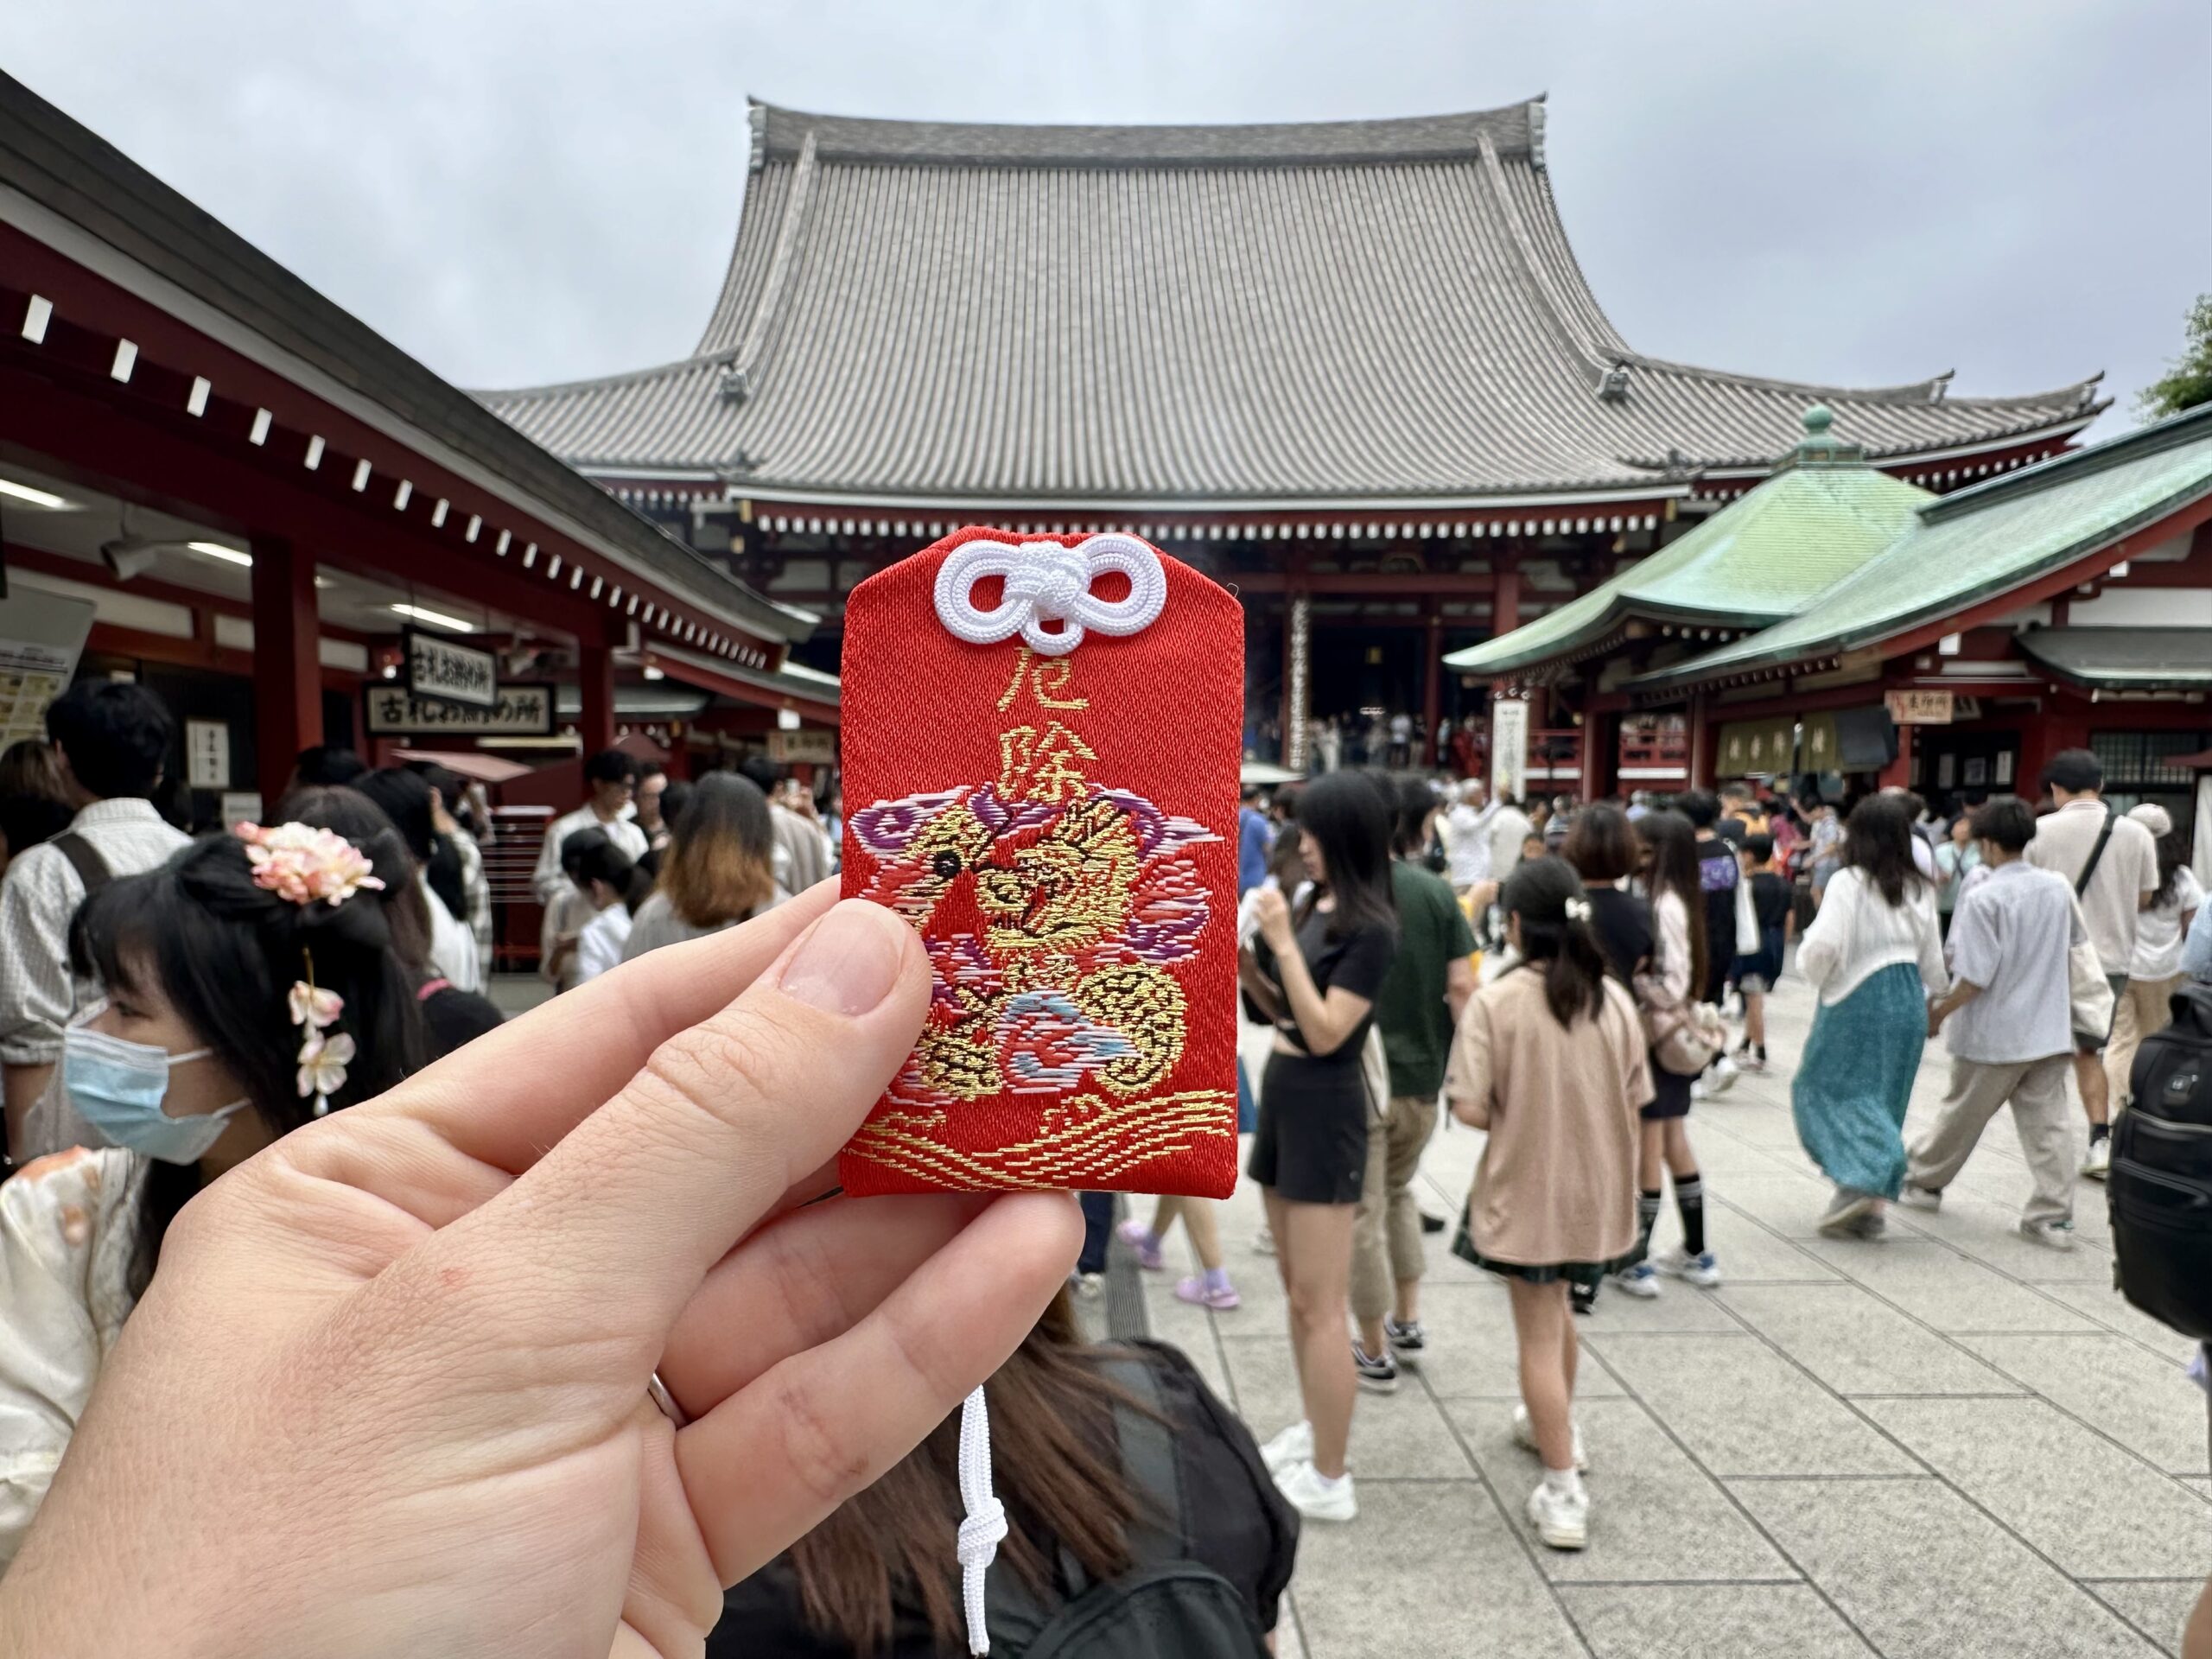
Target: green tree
(2189, 382)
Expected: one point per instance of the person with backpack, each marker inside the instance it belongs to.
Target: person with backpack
(2010, 1010)
(1549, 1059)
(112, 741)
(1873, 955)
(1141, 1523)
(2113, 862)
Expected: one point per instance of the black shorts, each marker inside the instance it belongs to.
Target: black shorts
(1311, 1143)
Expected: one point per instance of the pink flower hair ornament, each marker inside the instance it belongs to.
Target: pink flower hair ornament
(305, 865)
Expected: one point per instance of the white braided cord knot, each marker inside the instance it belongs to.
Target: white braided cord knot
(1046, 582)
(984, 1526)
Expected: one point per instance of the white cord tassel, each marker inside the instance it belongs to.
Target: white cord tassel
(985, 1524)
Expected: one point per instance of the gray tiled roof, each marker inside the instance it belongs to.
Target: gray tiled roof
(1369, 312)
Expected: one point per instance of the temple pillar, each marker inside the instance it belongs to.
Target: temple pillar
(1431, 691)
(595, 686)
(287, 663)
(1297, 689)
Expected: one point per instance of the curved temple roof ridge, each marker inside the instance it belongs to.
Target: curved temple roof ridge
(1363, 314)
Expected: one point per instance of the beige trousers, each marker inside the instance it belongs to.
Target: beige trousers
(2142, 1011)
(2038, 1092)
(1386, 1230)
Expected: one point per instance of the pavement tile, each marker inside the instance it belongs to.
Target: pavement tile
(2089, 1505)
(1924, 1575)
(1989, 1231)
(1746, 1251)
(2140, 1400)
(2158, 1607)
(1743, 1410)
(1400, 1436)
(1471, 1351)
(2109, 1308)
(1939, 1287)
(1430, 1570)
(1789, 1203)
(1641, 1487)
(1709, 1621)
(1857, 1344)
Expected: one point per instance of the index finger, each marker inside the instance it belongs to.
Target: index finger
(509, 1096)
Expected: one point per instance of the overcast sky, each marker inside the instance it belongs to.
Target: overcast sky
(1861, 194)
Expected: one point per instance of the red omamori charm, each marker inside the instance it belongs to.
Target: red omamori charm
(1059, 823)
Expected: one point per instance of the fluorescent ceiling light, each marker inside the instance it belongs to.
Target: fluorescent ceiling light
(436, 619)
(227, 555)
(25, 492)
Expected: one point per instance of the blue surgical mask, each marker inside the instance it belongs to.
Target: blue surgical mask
(118, 1087)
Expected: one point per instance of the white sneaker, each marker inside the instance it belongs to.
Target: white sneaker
(1561, 1521)
(1919, 1198)
(1524, 1436)
(1641, 1281)
(1316, 1497)
(2098, 1164)
(1293, 1446)
(1846, 1212)
(1721, 1076)
(2053, 1234)
(1699, 1270)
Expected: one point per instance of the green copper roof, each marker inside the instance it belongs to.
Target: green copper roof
(1982, 542)
(2136, 659)
(1757, 561)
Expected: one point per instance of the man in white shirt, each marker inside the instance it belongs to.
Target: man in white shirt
(2011, 1013)
(802, 851)
(1509, 829)
(2124, 881)
(112, 739)
(1467, 836)
(610, 777)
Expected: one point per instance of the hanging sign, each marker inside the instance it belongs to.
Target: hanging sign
(807, 748)
(208, 754)
(438, 667)
(1042, 745)
(517, 711)
(1509, 746)
(1915, 707)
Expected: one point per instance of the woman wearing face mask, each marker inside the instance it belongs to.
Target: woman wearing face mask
(251, 986)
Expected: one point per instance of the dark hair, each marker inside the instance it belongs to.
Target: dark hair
(404, 798)
(2173, 853)
(1600, 843)
(1736, 791)
(720, 865)
(1289, 851)
(115, 735)
(33, 800)
(1760, 847)
(1539, 892)
(651, 769)
(2075, 771)
(1344, 817)
(1408, 799)
(1699, 807)
(327, 764)
(765, 773)
(225, 954)
(1673, 846)
(611, 766)
(2006, 820)
(452, 792)
(1052, 1411)
(362, 821)
(1878, 839)
(598, 858)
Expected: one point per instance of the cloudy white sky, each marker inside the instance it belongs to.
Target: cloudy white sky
(1862, 194)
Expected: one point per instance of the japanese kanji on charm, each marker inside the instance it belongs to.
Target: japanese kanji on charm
(1041, 738)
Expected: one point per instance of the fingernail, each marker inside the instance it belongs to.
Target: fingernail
(847, 964)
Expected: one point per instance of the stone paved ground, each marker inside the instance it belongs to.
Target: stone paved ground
(1950, 1443)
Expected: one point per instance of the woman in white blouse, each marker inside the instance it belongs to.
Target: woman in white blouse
(616, 887)
(1875, 955)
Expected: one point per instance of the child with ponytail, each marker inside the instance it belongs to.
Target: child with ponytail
(1549, 1057)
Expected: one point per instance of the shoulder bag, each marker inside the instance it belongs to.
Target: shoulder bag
(2088, 992)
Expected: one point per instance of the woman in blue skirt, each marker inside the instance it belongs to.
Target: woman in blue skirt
(1875, 956)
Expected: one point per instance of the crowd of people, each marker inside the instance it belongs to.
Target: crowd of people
(1559, 975)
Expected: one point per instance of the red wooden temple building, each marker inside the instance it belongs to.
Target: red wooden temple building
(1352, 368)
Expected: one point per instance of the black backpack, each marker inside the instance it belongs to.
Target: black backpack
(1166, 1606)
(2160, 1188)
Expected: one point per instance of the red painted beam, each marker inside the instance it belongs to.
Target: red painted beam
(1376, 583)
(286, 676)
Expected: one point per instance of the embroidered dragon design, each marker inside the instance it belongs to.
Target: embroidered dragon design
(1051, 929)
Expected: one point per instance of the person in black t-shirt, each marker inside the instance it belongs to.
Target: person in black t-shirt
(1756, 974)
(1314, 974)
